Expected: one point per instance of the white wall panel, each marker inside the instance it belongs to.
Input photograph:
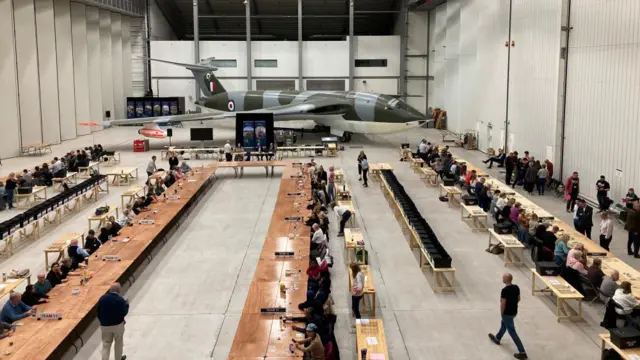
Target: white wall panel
(381, 86)
(48, 71)
(176, 87)
(64, 56)
(94, 64)
(178, 51)
(602, 112)
(285, 52)
(10, 120)
(378, 47)
(80, 69)
(417, 66)
(138, 66)
(431, 52)
(318, 56)
(533, 81)
(451, 51)
(468, 70)
(28, 83)
(107, 59)
(224, 50)
(438, 46)
(126, 57)
(116, 66)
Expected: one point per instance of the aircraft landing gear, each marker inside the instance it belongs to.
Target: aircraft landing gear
(346, 137)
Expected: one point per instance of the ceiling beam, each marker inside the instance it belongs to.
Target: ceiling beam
(255, 11)
(175, 22)
(214, 21)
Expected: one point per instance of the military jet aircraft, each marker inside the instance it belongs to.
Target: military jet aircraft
(343, 112)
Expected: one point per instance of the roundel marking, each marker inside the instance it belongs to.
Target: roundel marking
(231, 105)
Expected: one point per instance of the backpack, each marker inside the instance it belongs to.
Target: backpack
(495, 249)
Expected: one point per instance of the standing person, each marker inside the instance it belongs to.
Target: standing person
(112, 308)
(543, 174)
(584, 215)
(633, 227)
(571, 190)
(365, 170)
(344, 215)
(530, 177)
(227, 151)
(357, 289)
(151, 166)
(509, 299)
(606, 230)
(332, 184)
(510, 165)
(10, 186)
(173, 161)
(360, 157)
(603, 187)
(629, 198)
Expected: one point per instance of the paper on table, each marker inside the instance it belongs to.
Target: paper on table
(372, 341)
(2, 286)
(375, 356)
(11, 281)
(554, 282)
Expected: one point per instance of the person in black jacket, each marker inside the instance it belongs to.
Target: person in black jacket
(31, 298)
(584, 221)
(112, 309)
(105, 233)
(91, 243)
(10, 186)
(322, 174)
(115, 227)
(311, 318)
(56, 276)
(510, 165)
(173, 161)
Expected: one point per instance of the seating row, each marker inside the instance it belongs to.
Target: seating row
(19, 221)
(436, 251)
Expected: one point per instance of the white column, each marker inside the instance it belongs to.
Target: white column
(105, 52)
(126, 57)
(64, 55)
(10, 120)
(116, 65)
(27, 60)
(80, 71)
(48, 71)
(94, 65)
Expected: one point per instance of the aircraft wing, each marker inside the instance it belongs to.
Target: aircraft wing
(322, 106)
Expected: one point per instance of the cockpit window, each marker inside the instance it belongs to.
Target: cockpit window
(397, 104)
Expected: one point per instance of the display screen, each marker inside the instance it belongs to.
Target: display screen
(253, 129)
(201, 134)
(131, 109)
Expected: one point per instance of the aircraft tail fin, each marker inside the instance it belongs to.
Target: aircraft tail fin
(203, 72)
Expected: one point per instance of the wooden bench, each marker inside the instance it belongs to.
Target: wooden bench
(70, 178)
(453, 135)
(339, 173)
(10, 285)
(8, 244)
(626, 354)
(376, 168)
(332, 150)
(349, 205)
(27, 200)
(429, 176)
(451, 193)
(563, 292)
(405, 154)
(416, 164)
(110, 160)
(122, 176)
(101, 219)
(342, 191)
(479, 218)
(369, 297)
(240, 165)
(128, 196)
(370, 336)
(513, 249)
(35, 149)
(353, 241)
(85, 171)
(59, 246)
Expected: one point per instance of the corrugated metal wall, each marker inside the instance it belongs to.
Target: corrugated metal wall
(533, 80)
(467, 63)
(138, 51)
(603, 89)
(451, 64)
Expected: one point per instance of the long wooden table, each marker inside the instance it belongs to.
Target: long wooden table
(370, 336)
(262, 335)
(626, 354)
(368, 305)
(563, 292)
(43, 339)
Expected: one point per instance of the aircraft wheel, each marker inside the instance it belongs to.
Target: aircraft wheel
(348, 135)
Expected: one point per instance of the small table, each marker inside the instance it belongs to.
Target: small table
(122, 176)
(451, 192)
(429, 176)
(416, 164)
(339, 173)
(85, 171)
(111, 159)
(100, 219)
(128, 196)
(342, 191)
(513, 249)
(59, 246)
(626, 354)
(332, 150)
(353, 240)
(378, 167)
(369, 290)
(349, 205)
(479, 218)
(27, 200)
(563, 292)
(10, 285)
(71, 178)
(370, 336)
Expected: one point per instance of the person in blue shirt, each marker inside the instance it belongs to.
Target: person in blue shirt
(364, 164)
(561, 250)
(76, 253)
(15, 309)
(112, 308)
(42, 286)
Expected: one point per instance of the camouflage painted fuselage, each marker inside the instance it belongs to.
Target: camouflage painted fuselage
(358, 106)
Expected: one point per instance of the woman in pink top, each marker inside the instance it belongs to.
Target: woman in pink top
(515, 211)
(577, 264)
(572, 259)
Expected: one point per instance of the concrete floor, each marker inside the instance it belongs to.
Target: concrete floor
(187, 302)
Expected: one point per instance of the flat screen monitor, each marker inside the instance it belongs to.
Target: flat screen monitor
(201, 134)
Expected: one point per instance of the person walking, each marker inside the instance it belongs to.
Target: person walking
(571, 190)
(543, 174)
(606, 230)
(357, 288)
(151, 166)
(365, 170)
(112, 308)
(633, 227)
(603, 187)
(584, 218)
(227, 151)
(361, 156)
(510, 165)
(10, 186)
(509, 299)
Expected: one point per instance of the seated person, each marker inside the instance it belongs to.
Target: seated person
(185, 167)
(6, 330)
(577, 263)
(159, 189)
(32, 297)
(67, 268)
(572, 259)
(77, 254)
(130, 214)
(628, 302)
(310, 318)
(317, 299)
(561, 251)
(56, 276)
(499, 159)
(15, 309)
(140, 204)
(105, 233)
(115, 227)
(42, 286)
(312, 344)
(26, 180)
(91, 243)
(595, 273)
(609, 285)
(506, 211)
(125, 219)
(495, 198)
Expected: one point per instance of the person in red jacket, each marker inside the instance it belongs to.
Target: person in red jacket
(550, 169)
(571, 190)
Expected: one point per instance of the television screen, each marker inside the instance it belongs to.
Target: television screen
(201, 134)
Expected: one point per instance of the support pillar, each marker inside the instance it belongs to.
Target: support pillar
(249, 64)
(196, 44)
(351, 44)
(300, 84)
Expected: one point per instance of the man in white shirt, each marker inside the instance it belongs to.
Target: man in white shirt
(624, 297)
(606, 230)
(151, 166)
(227, 151)
(422, 148)
(343, 213)
(319, 240)
(56, 165)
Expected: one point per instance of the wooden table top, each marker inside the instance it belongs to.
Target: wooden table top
(380, 166)
(8, 286)
(352, 236)
(370, 336)
(559, 286)
(133, 190)
(250, 163)
(64, 241)
(348, 204)
(259, 336)
(121, 171)
(507, 240)
(39, 339)
(105, 215)
(627, 354)
(451, 189)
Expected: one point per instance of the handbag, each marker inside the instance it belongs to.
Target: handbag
(567, 196)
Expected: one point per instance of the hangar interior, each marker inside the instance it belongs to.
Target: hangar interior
(557, 78)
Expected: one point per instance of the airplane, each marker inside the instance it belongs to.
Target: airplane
(343, 112)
